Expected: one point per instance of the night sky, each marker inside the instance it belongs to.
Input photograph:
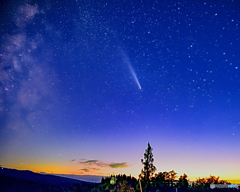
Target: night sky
(86, 84)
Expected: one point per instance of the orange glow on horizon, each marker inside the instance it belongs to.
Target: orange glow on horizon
(76, 170)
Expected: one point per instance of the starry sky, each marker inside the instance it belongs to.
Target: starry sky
(86, 84)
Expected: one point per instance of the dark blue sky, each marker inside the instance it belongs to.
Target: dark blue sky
(71, 73)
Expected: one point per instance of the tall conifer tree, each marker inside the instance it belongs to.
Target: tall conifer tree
(148, 167)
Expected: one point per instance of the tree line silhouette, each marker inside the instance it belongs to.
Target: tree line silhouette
(149, 181)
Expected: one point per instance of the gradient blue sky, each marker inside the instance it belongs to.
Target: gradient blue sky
(70, 79)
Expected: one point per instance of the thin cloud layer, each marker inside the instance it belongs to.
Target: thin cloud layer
(86, 170)
(96, 163)
(118, 165)
(89, 169)
(89, 162)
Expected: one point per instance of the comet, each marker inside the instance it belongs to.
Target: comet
(134, 76)
(127, 60)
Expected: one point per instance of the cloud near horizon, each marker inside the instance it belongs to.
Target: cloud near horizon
(89, 162)
(88, 169)
(118, 165)
(102, 164)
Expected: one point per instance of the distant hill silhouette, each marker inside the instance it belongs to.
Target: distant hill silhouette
(17, 180)
(86, 178)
